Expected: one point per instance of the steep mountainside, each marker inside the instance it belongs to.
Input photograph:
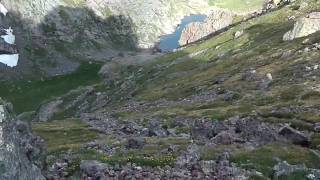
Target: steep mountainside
(55, 37)
(242, 103)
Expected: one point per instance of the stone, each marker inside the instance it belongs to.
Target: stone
(224, 138)
(191, 156)
(304, 26)
(207, 167)
(296, 137)
(136, 143)
(93, 169)
(269, 76)
(238, 34)
(46, 111)
(249, 75)
(283, 168)
(204, 130)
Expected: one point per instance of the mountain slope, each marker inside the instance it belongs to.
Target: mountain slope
(244, 106)
(221, 108)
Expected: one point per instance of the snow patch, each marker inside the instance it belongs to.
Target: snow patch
(10, 60)
(3, 9)
(9, 37)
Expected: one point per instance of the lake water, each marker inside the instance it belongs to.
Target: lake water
(171, 41)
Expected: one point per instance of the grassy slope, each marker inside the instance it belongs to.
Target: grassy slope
(239, 6)
(175, 77)
(27, 95)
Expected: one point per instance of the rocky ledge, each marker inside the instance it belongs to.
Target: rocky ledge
(22, 155)
(218, 20)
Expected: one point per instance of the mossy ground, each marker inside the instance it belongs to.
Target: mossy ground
(263, 159)
(239, 6)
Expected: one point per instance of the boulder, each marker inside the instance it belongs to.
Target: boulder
(224, 138)
(190, 157)
(47, 111)
(136, 143)
(304, 26)
(296, 137)
(203, 130)
(93, 169)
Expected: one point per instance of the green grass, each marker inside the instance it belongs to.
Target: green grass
(27, 96)
(63, 135)
(266, 157)
(240, 6)
(315, 141)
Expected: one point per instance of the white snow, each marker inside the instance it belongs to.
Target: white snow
(10, 60)
(3, 9)
(9, 37)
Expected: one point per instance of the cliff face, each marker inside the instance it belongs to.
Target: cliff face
(217, 20)
(21, 153)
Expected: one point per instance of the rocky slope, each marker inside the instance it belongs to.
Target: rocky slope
(224, 108)
(241, 104)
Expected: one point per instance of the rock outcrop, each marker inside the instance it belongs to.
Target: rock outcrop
(218, 20)
(46, 111)
(304, 26)
(21, 153)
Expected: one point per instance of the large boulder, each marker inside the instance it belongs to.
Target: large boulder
(304, 26)
(22, 155)
(218, 20)
(296, 137)
(136, 143)
(93, 170)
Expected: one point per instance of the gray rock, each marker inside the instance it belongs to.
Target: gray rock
(191, 156)
(136, 143)
(296, 137)
(224, 138)
(204, 130)
(249, 75)
(317, 127)
(283, 168)
(93, 169)
(265, 84)
(208, 167)
(47, 110)
(22, 154)
(304, 26)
